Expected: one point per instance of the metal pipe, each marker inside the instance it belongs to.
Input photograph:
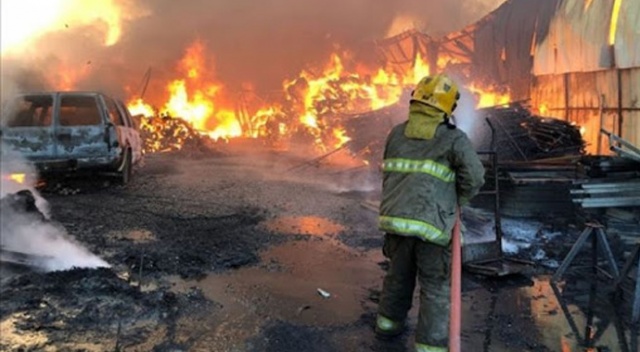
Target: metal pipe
(592, 292)
(566, 97)
(591, 108)
(613, 191)
(623, 192)
(635, 318)
(601, 111)
(608, 202)
(619, 102)
(616, 185)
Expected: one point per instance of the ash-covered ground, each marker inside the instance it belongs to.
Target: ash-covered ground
(227, 253)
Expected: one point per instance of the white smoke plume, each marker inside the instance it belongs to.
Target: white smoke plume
(467, 117)
(50, 245)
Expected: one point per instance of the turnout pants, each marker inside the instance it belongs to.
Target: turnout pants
(411, 257)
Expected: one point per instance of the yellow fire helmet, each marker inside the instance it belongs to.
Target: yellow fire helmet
(438, 91)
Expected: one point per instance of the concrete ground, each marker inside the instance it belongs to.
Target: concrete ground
(229, 254)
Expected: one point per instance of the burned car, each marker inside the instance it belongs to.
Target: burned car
(71, 132)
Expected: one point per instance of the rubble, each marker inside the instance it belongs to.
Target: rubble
(522, 136)
(165, 134)
(519, 135)
(369, 130)
(93, 305)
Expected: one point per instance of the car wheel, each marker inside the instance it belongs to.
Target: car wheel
(124, 176)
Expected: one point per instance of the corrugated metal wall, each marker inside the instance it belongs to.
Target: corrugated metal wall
(576, 97)
(577, 39)
(631, 99)
(576, 67)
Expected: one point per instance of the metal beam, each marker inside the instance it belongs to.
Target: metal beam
(608, 202)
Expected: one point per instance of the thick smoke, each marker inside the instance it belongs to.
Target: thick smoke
(257, 42)
(467, 117)
(30, 231)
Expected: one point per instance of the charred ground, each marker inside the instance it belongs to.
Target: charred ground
(226, 253)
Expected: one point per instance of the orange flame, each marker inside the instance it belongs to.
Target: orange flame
(106, 16)
(420, 70)
(228, 126)
(139, 107)
(543, 109)
(341, 136)
(194, 97)
(314, 102)
(337, 90)
(16, 177)
(488, 96)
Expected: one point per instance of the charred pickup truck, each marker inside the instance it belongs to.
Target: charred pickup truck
(72, 132)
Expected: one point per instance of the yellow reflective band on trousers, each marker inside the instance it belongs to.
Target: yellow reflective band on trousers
(416, 228)
(426, 348)
(429, 167)
(386, 324)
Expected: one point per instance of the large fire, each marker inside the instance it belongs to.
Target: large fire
(311, 106)
(491, 96)
(25, 20)
(311, 103)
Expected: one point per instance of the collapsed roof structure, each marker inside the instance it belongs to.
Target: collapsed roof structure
(576, 60)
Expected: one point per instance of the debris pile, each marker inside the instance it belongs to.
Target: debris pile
(166, 134)
(369, 130)
(522, 136)
(609, 191)
(519, 135)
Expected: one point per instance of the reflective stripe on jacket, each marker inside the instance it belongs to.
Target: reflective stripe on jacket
(417, 228)
(430, 167)
(424, 180)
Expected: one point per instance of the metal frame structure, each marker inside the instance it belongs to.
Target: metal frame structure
(634, 258)
(598, 237)
(621, 147)
(496, 264)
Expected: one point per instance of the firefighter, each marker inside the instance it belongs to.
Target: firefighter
(430, 169)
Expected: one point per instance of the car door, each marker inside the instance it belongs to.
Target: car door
(81, 127)
(28, 129)
(133, 134)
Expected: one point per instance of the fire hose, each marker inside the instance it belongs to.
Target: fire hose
(456, 287)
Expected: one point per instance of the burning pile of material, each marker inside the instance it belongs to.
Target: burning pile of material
(309, 107)
(165, 134)
(313, 108)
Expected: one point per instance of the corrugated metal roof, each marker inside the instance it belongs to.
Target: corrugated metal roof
(577, 39)
(499, 45)
(627, 44)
